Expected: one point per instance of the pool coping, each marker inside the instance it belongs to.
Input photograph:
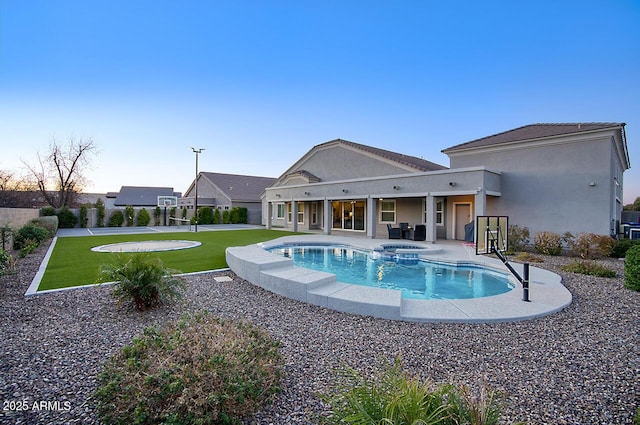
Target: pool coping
(278, 274)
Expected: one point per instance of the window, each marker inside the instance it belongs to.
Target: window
(314, 213)
(439, 212)
(387, 211)
(280, 211)
(289, 212)
(300, 213)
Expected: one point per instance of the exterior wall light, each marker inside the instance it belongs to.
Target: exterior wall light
(396, 187)
(277, 195)
(592, 184)
(452, 184)
(344, 191)
(307, 193)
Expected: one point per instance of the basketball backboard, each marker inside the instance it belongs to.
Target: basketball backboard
(167, 201)
(491, 230)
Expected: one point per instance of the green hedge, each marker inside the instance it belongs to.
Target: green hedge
(632, 269)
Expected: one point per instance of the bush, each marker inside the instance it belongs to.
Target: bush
(49, 222)
(28, 234)
(47, 211)
(589, 268)
(590, 245)
(66, 218)
(5, 234)
(621, 246)
(632, 268)
(129, 214)
(527, 257)
(142, 279)
(393, 397)
(184, 213)
(28, 246)
(117, 219)
(156, 216)
(518, 238)
(100, 212)
(200, 370)
(548, 243)
(205, 215)
(7, 263)
(143, 218)
(226, 217)
(217, 218)
(84, 215)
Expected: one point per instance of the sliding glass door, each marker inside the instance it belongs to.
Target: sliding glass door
(349, 215)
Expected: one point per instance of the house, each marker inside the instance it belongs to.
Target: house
(225, 191)
(140, 196)
(547, 177)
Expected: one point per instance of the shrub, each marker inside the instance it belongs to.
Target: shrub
(117, 219)
(5, 234)
(590, 245)
(129, 215)
(226, 217)
(47, 211)
(393, 397)
(28, 246)
(632, 268)
(100, 212)
(156, 216)
(205, 215)
(526, 257)
(66, 218)
(200, 370)
(84, 215)
(49, 222)
(589, 268)
(7, 263)
(184, 213)
(143, 218)
(548, 243)
(28, 234)
(621, 246)
(172, 212)
(518, 238)
(217, 218)
(142, 279)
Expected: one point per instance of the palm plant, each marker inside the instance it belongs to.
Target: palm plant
(142, 279)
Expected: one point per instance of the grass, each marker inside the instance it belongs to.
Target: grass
(72, 262)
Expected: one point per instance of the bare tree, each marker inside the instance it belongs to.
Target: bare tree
(60, 174)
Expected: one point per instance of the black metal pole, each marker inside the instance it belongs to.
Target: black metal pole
(195, 202)
(525, 282)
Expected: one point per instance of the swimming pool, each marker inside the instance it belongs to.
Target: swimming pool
(403, 271)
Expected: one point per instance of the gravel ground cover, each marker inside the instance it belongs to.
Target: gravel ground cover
(579, 366)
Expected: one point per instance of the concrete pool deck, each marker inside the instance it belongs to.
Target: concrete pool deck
(277, 274)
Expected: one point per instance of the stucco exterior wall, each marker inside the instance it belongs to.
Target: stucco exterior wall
(17, 217)
(554, 187)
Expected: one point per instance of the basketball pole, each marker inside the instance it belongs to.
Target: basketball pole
(195, 202)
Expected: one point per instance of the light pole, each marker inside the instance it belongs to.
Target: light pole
(195, 202)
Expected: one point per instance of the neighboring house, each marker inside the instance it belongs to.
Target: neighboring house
(553, 177)
(225, 191)
(141, 196)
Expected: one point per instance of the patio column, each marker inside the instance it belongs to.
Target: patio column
(328, 218)
(431, 232)
(371, 217)
(294, 216)
(269, 212)
(480, 204)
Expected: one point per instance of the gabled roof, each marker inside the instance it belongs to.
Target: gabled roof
(239, 187)
(414, 162)
(142, 196)
(535, 131)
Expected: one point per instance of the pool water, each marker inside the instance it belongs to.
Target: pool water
(417, 279)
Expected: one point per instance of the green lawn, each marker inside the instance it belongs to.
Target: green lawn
(72, 262)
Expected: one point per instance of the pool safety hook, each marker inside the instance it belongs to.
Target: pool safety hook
(524, 279)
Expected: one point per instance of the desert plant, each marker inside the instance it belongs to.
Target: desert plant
(28, 246)
(143, 218)
(394, 397)
(117, 219)
(632, 269)
(518, 238)
(217, 217)
(590, 245)
(548, 243)
(100, 212)
(200, 370)
(142, 279)
(589, 268)
(28, 234)
(129, 215)
(66, 218)
(527, 257)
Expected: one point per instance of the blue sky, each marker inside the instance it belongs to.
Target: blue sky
(258, 83)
